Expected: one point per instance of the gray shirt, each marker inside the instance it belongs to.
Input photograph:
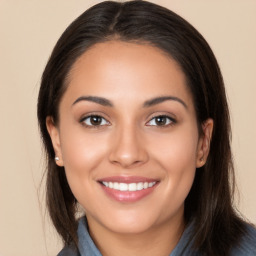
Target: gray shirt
(247, 246)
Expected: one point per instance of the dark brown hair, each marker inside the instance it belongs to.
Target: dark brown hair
(209, 203)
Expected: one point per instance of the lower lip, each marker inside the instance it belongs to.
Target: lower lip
(128, 196)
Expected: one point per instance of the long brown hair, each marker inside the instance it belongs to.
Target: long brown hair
(210, 202)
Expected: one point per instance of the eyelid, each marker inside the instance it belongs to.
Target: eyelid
(172, 119)
(93, 114)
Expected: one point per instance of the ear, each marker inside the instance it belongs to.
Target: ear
(204, 143)
(55, 137)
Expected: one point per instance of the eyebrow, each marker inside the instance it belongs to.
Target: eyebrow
(149, 103)
(99, 100)
(159, 100)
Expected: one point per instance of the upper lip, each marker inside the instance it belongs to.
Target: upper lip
(127, 179)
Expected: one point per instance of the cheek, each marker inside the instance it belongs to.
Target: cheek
(81, 153)
(176, 149)
(176, 153)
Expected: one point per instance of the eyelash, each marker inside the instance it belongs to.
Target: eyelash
(171, 121)
(83, 121)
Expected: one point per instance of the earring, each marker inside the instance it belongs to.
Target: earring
(57, 158)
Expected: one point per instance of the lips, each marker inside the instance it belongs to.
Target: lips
(129, 186)
(128, 189)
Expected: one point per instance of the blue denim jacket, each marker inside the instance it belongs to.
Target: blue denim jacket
(247, 247)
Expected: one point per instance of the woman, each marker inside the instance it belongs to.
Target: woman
(135, 123)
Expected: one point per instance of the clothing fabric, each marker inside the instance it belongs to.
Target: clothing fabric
(247, 246)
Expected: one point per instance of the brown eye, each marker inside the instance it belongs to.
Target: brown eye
(161, 121)
(94, 121)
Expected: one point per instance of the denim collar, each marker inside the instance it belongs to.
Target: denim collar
(87, 246)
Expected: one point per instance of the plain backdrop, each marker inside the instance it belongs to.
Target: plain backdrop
(28, 31)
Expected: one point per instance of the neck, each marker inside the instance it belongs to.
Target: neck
(160, 240)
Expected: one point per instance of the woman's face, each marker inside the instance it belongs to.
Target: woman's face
(128, 137)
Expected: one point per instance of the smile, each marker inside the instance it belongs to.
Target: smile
(128, 186)
(128, 189)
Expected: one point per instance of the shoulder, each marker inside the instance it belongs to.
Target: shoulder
(68, 251)
(247, 245)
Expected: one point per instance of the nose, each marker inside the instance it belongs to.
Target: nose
(128, 148)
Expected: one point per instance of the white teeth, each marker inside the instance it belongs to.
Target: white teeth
(105, 183)
(132, 187)
(140, 186)
(151, 184)
(145, 185)
(123, 187)
(129, 186)
(116, 186)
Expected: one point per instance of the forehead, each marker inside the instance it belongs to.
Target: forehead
(117, 68)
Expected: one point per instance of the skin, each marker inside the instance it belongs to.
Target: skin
(129, 142)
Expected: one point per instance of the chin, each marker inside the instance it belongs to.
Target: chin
(131, 226)
(132, 221)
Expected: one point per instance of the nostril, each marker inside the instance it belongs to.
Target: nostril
(128, 163)
(128, 148)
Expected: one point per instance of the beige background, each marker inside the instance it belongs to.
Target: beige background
(28, 32)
